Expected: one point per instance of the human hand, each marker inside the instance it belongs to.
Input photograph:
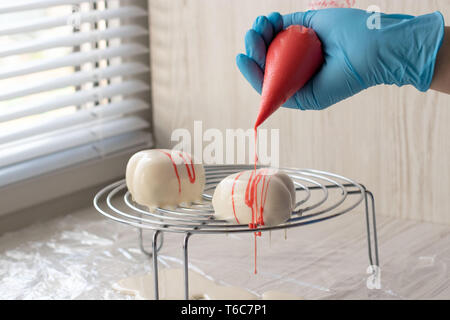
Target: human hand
(402, 51)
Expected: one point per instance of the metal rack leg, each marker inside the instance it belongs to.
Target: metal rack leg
(155, 263)
(371, 224)
(141, 243)
(186, 266)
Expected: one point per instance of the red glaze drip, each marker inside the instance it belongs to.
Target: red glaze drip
(251, 196)
(256, 146)
(191, 174)
(174, 168)
(263, 200)
(190, 171)
(251, 200)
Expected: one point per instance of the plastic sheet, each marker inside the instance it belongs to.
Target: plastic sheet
(81, 256)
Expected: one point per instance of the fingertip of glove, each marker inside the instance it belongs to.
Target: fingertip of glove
(255, 47)
(240, 58)
(245, 63)
(253, 41)
(251, 35)
(251, 71)
(259, 23)
(253, 38)
(277, 21)
(264, 27)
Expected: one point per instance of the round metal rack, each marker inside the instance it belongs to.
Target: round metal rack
(321, 196)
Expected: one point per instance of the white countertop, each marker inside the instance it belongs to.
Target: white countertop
(80, 256)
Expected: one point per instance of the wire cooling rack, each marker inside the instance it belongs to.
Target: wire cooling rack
(321, 196)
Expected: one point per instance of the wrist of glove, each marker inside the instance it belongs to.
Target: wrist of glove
(407, 49)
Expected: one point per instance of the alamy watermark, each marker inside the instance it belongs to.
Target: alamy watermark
(373, 22)
(231, 146)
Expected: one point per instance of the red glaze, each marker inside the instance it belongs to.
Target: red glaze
(232, 196)
(190, 171)
(251, 199)
(292, 59)
(256, 145)
(191, 174)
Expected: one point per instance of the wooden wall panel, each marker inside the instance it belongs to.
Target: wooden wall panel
(394, 140)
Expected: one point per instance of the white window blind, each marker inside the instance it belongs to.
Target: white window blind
(73, 83)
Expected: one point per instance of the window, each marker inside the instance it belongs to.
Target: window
(74, 84)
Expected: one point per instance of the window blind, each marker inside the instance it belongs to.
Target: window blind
(74, 83)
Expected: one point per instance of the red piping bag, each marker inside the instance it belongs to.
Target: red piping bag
(292, 59)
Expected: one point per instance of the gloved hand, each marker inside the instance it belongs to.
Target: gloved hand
(403, 51)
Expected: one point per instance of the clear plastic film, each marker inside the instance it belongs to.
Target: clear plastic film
(82, 255)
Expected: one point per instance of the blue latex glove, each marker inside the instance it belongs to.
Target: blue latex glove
(403, 51)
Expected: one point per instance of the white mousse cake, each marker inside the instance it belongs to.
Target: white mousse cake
(164, 178)
(265, 197)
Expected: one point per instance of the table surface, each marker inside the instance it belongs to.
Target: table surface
(81, 255)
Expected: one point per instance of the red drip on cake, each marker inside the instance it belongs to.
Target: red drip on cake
(232, 196)
(191, 171)
(189, 166)
(251, 199)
